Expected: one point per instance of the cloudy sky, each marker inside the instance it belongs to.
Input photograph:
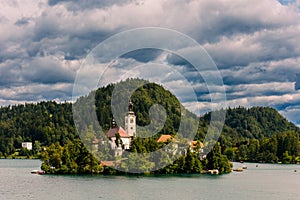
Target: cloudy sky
(255, 45)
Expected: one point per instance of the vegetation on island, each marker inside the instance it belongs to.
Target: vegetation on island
(257, 134)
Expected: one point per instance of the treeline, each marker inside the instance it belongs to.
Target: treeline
(259, 134)
(282, 147)
(42, 124)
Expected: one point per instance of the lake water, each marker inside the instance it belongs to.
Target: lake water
(267, 182)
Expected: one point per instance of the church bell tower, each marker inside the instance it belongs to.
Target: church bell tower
(130, 121)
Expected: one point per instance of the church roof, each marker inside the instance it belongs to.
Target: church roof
(112, 132)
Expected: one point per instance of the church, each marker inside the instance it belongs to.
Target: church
(119, 139)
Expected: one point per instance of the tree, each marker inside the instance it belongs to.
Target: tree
(215, 160)
(287, 159)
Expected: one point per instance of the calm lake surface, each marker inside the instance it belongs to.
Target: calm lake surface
(262, 182)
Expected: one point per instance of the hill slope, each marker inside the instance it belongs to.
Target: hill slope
(259, 134)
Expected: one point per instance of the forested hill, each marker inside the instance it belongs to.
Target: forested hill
(257, 122)
(45, 123)
(254, 122)
(144, 98)
(259, 134)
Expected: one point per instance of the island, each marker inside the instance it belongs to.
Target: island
(256, 134)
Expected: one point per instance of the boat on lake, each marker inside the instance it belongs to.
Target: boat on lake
(39, 172)
(238, 170)
(213, 171)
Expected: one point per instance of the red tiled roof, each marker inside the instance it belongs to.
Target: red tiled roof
(112, 132)
(110, 163)
(193, 144)
(107, 163)
(164, 138)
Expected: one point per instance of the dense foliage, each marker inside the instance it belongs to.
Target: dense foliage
(144, 96)
(43, 124)
(72, 158)
(259, 134)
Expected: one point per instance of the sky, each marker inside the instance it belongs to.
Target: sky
(255, 45)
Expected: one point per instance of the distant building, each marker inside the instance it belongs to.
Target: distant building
(27, 145)
(194, 146)
(95, 144)
(197, 147)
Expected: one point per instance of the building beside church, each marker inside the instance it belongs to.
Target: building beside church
(119, 138)
(27, 145)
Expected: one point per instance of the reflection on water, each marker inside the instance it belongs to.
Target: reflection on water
(264, 181)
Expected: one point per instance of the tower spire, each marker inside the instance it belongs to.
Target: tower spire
(130, 120)
(113, 123)
(130, 106)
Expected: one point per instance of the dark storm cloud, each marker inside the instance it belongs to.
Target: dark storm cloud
(87, 4)
(73, 35)
(39, 71)
(261, 47)
(10, 74)
(297, 83)
(262, 72)
(256, 45)
(228, 26)
(22, 21)
(47, 71)
(143, 55)
(177, 60)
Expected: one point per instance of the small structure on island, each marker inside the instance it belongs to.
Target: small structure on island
(27, 145)
(95, 144)
(165, 138)
(173, 147)
(119, 138)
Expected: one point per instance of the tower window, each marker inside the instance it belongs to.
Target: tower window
(131, 120)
